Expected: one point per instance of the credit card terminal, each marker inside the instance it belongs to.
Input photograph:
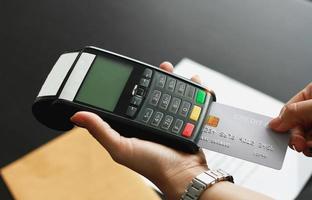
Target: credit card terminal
(135, 98)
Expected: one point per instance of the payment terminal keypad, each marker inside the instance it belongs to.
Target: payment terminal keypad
(168, 104)
(155, 97)
(184, 109)
(131, 111)
(147, 113)
(157, 119)
(164, 102)
(136, 100)
(170, 85)
(174, 105)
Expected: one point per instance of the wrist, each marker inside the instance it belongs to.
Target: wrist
(175, 184)
(217, 190)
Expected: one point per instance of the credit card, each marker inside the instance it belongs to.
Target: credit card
(243, 134)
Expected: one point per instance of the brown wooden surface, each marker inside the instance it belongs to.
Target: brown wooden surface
(73, 166)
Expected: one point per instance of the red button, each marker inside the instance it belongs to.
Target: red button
(188, 130)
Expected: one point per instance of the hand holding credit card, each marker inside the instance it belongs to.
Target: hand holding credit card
(243, 134)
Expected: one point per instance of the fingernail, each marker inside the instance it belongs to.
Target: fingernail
(278, 125)
(75, 124)
(282, 112)
(74, 121)
(276, 122)
(72, 118)
(294, 148)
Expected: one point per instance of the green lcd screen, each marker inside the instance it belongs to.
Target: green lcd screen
(104, 83)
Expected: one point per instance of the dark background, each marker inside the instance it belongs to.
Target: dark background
(266, 44)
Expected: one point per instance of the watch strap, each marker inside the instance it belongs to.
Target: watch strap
(204, 181)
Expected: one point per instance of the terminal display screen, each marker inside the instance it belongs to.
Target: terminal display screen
(104, 83)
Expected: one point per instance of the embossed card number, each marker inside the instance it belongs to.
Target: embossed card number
(244, 135)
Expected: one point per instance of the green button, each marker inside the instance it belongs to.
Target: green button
(200, 96)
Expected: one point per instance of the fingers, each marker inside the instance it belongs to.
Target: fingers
(303, 95)
(109, 138)
(167, 66)
(296, 117)
(308, 150)
(297, 139)
(294, 114)
(297, 110)
(196, 79)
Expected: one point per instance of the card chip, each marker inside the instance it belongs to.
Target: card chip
(213, 121)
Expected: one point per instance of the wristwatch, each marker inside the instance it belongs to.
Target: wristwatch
(203, 181)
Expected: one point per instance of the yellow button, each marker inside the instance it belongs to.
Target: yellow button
(195, 113)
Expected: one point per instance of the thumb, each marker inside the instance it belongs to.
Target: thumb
(292, 115)
(100, 130)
